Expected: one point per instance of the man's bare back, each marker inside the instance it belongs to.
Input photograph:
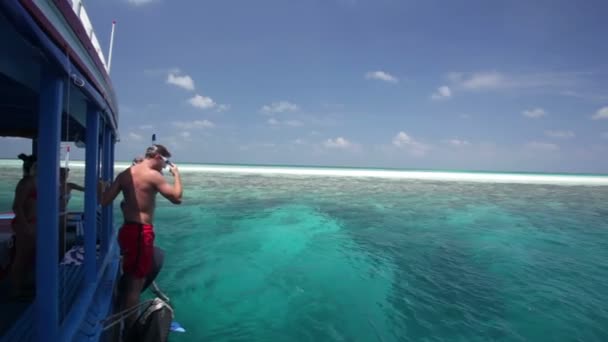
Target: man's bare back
(139, 185)
(139, 190)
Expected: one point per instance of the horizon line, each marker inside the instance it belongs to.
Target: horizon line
(425, 175)
(371, 168)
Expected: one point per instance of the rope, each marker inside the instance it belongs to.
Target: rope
(122, 315)
(159, 293)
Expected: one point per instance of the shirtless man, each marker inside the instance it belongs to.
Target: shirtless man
(139, 185)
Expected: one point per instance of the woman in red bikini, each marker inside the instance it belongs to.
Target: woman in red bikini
(24, 226)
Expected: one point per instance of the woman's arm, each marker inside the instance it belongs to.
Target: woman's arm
(21, 191)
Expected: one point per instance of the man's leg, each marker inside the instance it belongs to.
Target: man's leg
(140, 267)
(157, 263)
(132, 287)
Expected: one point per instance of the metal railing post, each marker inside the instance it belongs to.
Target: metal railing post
(90, 197)
(47, 228)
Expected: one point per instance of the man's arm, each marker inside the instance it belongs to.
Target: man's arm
(172, 193)
(75, 186)
(108, 195)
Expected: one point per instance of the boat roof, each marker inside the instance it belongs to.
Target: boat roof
(56, 33)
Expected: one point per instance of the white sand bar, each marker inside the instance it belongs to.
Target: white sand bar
(482, 177)
(560, 179)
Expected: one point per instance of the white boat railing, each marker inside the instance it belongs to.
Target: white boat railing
(81, 13)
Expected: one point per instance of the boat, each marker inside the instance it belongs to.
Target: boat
(55, 88)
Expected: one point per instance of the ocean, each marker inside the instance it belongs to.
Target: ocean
(325, 254)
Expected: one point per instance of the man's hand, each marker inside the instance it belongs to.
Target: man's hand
(172, 193)
(108, 190)
(101, 185)
(173, 169)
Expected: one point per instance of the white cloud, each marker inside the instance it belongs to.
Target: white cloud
(560, 134)
(202, 124)
(290, 123)
(442, 92)
(457, 142)
(140, 2)
(293, 123)
(223, 108)
(542, 146)
(534, 113)
(184, 81)
(381, 76)
(146, 127)
(338, 142)
(135, 137)
(202, 102)
(601, 113)
(585, 95)
(279, 107)
(185, 134)
(196, 124)
(404, 141)
(478, 80)
(494, 80)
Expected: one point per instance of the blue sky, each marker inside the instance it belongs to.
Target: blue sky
(486, 85)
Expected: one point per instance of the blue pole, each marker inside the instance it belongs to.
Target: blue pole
(90, 197)
(111, 177)
(35, 146)
(47, 242)
(107, 166)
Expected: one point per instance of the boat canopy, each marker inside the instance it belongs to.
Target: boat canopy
(50, 35)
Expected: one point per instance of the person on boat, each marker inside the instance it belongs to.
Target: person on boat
(139, 185)
(65, 191)
(24, 227)
(159, 254)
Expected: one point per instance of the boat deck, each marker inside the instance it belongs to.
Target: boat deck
(16, 316)
(11, 310)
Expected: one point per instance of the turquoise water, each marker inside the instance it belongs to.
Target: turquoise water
(313, 258)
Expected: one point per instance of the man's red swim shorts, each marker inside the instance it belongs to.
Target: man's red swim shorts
(137, 245)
